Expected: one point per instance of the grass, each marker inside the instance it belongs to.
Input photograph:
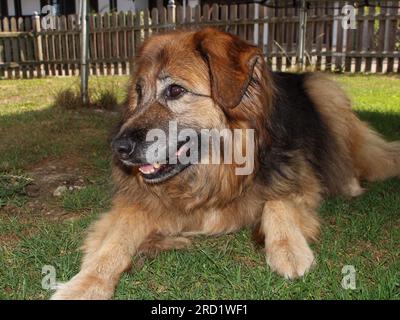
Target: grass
(36, 137)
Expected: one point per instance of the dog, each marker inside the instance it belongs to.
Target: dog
(308, 145)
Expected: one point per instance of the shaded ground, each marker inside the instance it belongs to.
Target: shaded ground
(45, 149)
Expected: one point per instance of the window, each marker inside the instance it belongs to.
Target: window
(113, 5)
(64, 7)
(93, 6)
(18, 8)
(3, 9)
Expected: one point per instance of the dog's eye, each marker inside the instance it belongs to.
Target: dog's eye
(174, 91)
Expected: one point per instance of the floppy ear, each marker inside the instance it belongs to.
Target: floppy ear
(231, 63)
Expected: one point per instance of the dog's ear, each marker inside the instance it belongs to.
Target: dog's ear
(231, 63)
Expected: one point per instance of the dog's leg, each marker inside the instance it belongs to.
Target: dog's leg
(108, 251)
(286, 246)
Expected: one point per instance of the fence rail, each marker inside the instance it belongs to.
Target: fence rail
(28, 51)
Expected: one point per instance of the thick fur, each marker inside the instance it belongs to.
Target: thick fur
(309, 145)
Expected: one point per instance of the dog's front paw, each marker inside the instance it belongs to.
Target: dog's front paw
(84, 287)
(290, 259)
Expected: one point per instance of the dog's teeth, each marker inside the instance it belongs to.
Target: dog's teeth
(147, 169)
(156, 165)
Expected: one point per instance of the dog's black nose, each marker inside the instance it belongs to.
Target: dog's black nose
(123, 147)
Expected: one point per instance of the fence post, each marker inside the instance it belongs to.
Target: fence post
(171, 12)
(38, 45)
(302, 33)
(84, 53)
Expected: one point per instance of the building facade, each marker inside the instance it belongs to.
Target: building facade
(20, 8)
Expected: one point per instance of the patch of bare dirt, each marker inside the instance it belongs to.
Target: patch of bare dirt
(8, 239)
(51, 178)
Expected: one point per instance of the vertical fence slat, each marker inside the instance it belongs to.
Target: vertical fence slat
(38, 47)
(224, 17)
(15, 48)
(114, 44)
(92, 45)
(289, 37)
(7, 48)
(233, 16)
(206, 14)
(242, 19)
(64, 56)
(29, 46)
(74, 42)
(189, 16)
(372, 45)
(107, 43)
(197, 15)
(136, 25)
(2, 59)
(271, 37)
(123, 41)
(390, 40)
(214, 14)
(22, 48)
(319, 37)
(131, 35)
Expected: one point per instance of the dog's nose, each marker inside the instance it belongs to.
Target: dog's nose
(123, 147)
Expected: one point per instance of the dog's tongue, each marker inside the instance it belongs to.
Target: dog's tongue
(149, 168)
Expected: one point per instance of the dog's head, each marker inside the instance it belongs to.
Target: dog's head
(186, 82)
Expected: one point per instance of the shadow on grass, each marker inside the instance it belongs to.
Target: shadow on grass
(31, 136)
(387, 124)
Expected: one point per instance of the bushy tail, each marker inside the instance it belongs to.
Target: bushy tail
(376, 159)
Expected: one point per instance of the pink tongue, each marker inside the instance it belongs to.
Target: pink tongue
(148, 168)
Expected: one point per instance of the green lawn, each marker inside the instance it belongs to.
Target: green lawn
(43, 147)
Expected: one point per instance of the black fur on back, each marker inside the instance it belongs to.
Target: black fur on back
(295, 126)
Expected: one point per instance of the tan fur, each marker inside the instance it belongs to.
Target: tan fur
(374, 158)
(287, 250)
(232, 88)
(362, 152)
(108, 254)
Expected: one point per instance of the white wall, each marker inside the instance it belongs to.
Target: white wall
(104, 6)
(139, 4)
(77, 6)
(127, 5)
(11, 9)
(192, 3)
(29, 7)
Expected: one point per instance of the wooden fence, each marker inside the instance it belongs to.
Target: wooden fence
(26, 50)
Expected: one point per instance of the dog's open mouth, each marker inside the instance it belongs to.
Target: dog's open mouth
(159, 172)
(156, 172)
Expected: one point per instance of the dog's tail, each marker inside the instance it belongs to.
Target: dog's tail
(375, 158)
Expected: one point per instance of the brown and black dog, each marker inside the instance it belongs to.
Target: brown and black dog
(309, 144)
